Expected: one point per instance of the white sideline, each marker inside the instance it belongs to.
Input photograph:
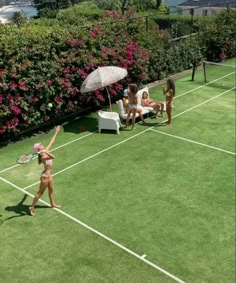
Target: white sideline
(205, 84)
(65, 144)
(142, 258)
(11, 167)
(214, 97)
(108, 148)
(195, 142)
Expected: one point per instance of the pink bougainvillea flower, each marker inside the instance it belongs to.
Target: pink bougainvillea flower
(113, 92)
(12, 75)
(58, 99)
(49, 82)
(38, 86)
(23, 86)
(80, 42)
(100, 97)
(14, 86)
(10, 98)
(2, 72)
(33, 100)
(46, 118)
(15, 109)
(12, 123)
(222, 56)
(82, 73)
(71, 42)
(65, 83)
(2, 130)
(94, 34)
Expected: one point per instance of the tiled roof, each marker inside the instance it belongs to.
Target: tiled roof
(173, 3)
(209, 3)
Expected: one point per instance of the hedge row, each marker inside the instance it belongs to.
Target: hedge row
(42, 66)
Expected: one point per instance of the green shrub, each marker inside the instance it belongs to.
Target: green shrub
(85, 12)
(218, 36)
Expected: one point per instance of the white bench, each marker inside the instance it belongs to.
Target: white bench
(145, 109)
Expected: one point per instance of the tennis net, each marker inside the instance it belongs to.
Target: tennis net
(220, 75)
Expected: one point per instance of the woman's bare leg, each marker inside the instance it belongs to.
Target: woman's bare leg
(168, 111)
(127, 119)
(51, 194)
(157, 107)
(42, 188)
(162, 108)
(141, 117)
(133, 118)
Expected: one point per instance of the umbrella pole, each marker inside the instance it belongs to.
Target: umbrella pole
(109, 99)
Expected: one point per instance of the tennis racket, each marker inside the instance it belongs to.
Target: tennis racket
(26, 158)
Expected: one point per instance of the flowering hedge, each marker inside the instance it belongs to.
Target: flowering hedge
(40, 76)
(218, 37)
(43, 66)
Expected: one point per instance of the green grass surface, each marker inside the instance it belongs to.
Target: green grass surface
(166, 192)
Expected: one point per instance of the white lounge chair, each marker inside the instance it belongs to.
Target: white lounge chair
(108, 121)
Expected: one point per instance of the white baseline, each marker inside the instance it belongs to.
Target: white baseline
(100, 234)
(195, 142)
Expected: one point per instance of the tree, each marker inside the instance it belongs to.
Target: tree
(54, 4)
(18, 18)
(126, 4)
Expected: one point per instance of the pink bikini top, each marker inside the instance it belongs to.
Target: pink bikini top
(48, 162)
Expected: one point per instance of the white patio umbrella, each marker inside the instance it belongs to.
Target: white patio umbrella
(102, 77)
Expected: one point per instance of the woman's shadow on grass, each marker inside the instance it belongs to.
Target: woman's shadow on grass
(20, 209)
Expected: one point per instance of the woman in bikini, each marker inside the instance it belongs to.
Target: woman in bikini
(46, 179)
(151, 103)
(126, 106)
(169, 94)
(132, 105)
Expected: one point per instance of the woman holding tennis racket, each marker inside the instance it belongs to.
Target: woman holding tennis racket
(169, 94)
(46, 179)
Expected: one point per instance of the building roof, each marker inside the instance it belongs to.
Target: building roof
(209, 3)
(173, 3)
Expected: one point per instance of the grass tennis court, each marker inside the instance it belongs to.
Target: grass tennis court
(158, 202)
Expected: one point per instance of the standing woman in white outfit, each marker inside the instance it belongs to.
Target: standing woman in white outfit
(46, 179)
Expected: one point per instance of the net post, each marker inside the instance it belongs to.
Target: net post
(204, 69)
(193, 71)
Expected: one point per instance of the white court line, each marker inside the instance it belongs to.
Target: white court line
(90, 157)
(80, 138)
(100, 234)
(205, 84)
(214, 97)
(191, 141)
(9, 168)
(108, 148)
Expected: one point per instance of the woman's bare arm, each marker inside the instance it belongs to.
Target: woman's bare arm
(57, 129)
(46, 155)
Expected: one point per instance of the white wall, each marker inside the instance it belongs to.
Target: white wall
(185, 10)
